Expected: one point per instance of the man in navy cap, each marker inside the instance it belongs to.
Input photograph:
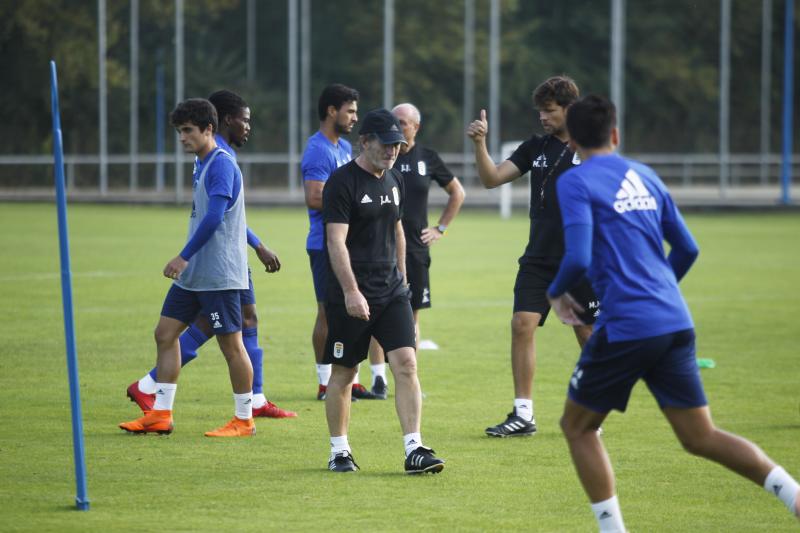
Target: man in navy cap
(367, 291)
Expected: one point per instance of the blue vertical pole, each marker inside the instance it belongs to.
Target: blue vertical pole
(81, 499)
(160, 122)
(788, 93)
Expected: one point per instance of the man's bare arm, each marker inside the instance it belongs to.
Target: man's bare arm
(354, 301)
(491, 175)
(313, 193)
(400, 241)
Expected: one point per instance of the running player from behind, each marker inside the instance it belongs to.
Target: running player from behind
(617, 213)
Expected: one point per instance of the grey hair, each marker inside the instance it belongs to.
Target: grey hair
(411, 107)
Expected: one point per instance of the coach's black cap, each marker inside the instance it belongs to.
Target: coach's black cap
(382, 123)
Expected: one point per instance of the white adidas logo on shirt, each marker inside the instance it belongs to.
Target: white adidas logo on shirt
(366, 199)
(633, 195)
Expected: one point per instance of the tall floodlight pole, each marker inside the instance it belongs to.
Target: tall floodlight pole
(617, 77)
(134, 102)
(251, 40)
(469, 79)
(788, 95)
(102, 100)
(766, 87)
(178, 96)
(724, 96)
(305, 69)
(388, 53)
(250, 22)
(292, 47)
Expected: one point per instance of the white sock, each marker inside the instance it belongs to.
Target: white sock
(412, 441)
(147, 384)
(339, 444)
(323, 374)
(355, 379)
(378, 370)
(259, 400)
(165, 396)
(244, 405)
(782, 485)
(524, 408)
(608, 515)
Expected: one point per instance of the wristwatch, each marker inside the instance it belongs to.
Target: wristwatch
(442, 228)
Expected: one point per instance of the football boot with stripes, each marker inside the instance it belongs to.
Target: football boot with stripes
(514, 426)
(342, 462)
(423, 460)
(379, 389)
(360, 392)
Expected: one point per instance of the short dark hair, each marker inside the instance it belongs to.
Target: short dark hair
(559, 89)
(227, 103)
(335, 95)
(590, 121)
(197, 111)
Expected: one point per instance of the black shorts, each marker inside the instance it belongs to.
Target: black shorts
(392, 325)
(418, 264)
(530, 292)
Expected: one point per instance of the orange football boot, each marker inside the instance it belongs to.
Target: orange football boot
(235, 428)
(152, 422)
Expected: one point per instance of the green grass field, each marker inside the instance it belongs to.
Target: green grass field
(743, 292)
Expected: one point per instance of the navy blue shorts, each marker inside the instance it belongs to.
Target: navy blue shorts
(248, 296)
(319, 270)
(607, 371)
(222, 309)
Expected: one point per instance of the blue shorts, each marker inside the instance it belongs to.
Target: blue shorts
(319, 270)
(248, 296)
(222, 309)
(607, 371)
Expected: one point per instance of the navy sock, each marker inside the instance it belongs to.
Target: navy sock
(256, 354)
(192, 339)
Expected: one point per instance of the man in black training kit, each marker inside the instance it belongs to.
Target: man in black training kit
(367, 291)
(546, 157)
(420, 167)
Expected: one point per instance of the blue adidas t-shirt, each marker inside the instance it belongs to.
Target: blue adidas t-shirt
(320, 158)
(626, 205)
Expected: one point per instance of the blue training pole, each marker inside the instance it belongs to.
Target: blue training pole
(788, 90)
(81, 499)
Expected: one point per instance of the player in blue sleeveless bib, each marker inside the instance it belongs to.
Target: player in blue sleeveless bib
(233, 115)
(616, 214)
(208, 275)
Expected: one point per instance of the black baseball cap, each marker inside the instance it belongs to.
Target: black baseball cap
(384, 124)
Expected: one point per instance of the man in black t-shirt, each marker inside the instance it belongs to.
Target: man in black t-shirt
(362, 206)
(546, 157)
(419, 166)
